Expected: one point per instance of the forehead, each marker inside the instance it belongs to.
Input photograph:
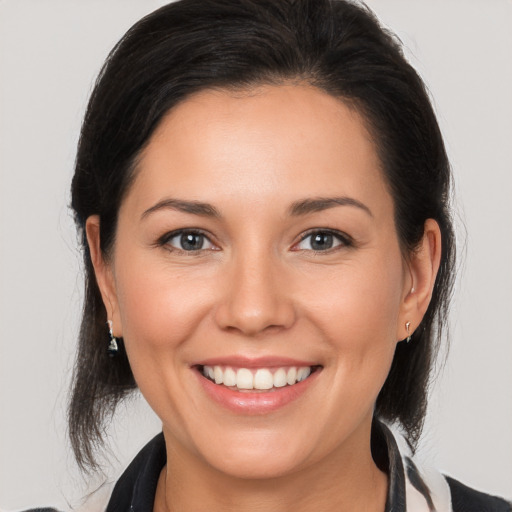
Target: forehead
(267, 143)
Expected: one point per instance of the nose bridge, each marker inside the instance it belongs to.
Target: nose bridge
(255, 298)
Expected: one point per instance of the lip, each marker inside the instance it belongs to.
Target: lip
(253, 402)
(255, 362)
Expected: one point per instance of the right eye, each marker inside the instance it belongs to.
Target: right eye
(188, 241)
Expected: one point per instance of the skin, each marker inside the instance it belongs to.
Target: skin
(256, 288)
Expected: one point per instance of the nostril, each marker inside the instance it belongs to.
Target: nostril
(251, 320)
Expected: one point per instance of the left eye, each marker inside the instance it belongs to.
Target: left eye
(189, 241)
(321, 241)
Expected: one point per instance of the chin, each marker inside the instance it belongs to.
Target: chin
(258, 465)
(258, 455)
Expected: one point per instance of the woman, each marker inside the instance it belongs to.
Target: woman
(262, 190)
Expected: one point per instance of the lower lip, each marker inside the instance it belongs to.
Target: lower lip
(255, 402)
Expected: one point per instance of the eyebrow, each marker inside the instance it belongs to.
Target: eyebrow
(318, 204)
(193, 207)
(301, 207)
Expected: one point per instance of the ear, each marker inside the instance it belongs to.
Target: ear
(423, 266)
(104, 273)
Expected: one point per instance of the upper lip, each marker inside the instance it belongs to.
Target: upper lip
(254, 362)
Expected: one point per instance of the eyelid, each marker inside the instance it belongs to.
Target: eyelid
(346, 240)
(163, 241)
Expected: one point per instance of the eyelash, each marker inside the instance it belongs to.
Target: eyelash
(344, 240)
(164, 241)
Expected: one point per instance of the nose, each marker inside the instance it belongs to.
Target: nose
(254, 297)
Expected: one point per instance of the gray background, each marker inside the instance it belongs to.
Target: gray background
(50, 52)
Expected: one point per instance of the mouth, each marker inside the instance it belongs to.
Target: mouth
(254, 380)
(257, 385)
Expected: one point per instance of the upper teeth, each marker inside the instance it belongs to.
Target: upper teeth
(261, 378)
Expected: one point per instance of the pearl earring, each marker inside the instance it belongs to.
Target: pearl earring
(112, 348)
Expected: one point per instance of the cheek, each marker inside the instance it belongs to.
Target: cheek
(357, 304)
(160, 310)
(358, 311)
(159, 307)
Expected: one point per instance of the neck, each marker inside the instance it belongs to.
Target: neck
(347, 479)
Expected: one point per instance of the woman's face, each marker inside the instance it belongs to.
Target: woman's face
(258, 245)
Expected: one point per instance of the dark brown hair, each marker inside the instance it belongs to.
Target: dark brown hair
(191, 45)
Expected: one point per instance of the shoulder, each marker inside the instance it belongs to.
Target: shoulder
(465, 499)
(96, 501)
(426, 489)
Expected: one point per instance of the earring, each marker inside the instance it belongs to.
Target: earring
(112, 348)
(408, 327)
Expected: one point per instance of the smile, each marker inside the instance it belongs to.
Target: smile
(246, 379)
(256, 386)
